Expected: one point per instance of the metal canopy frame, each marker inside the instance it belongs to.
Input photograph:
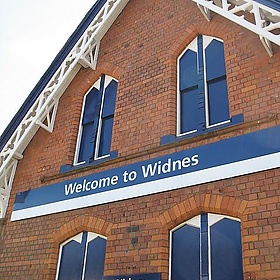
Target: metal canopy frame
(265, 23)
(43, 111)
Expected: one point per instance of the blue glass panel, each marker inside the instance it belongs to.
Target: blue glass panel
(216, 83)
(106, 136)
(71, 264)
(185, 254)
(91, 108)
(95, 259)
(218, 101)
(215, 60)
(87, 142)
(110, 99)
(90, 122)
(189, 112)
(226, 256)
(188, 70)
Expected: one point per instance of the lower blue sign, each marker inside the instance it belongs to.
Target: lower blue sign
(244, 154)
(147, 276)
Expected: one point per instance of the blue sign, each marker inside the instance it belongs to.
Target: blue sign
(232, 157)
(147, 276)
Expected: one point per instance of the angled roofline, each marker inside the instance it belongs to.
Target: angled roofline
(40, 107)
(81, 50)
(58, 60)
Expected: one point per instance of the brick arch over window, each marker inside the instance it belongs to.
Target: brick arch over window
(217, 30)
(110, 69)
(107, 68)
(70, 229)
(79, 224)
(202, 203)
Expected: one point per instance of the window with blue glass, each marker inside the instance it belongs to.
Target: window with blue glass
(82, 257)
(207, 247)
(203, 95)
(95, 135)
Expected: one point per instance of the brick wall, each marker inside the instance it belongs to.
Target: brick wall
(140, 50)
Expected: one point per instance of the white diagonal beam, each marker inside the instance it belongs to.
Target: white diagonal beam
(48, 116)
(89, 57)
(83, 53)
(260, 26)
(6, 181)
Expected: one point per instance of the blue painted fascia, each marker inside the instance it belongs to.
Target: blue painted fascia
(58, 60)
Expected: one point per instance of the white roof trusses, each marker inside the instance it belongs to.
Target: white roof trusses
(42, 112)
(265, 22)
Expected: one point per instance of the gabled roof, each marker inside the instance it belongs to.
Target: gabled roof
(273, 4)
(81, 49)
(40, 107)
(60, 57)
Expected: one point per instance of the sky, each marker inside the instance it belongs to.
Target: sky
(32, 32)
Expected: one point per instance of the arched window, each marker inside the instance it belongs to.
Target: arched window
(82, 257)
(207, 247)
(202, 86)
(96, 125)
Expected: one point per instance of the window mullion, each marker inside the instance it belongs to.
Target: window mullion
(206, 96)
(201, 84)
(84, 248)
(204, 248)
(98, 127)
(85, 257)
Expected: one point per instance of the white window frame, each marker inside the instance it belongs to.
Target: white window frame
(206, 41)
(77, 238)
(96, 85)
(193, 46)
(196, 222)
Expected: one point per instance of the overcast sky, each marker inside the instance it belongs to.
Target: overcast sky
(32, 32)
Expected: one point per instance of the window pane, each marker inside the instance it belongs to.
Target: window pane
(216, 83)
(189, 110)
(87, 142)
(188, 70)
(109, 99)
(215, 60)
(106, 136)
(91, 107)
(185, 253)
(218, 101)
(226, 258)
(71, 267)
(95, 259)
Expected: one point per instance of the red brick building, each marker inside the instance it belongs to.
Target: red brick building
(150, 148)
